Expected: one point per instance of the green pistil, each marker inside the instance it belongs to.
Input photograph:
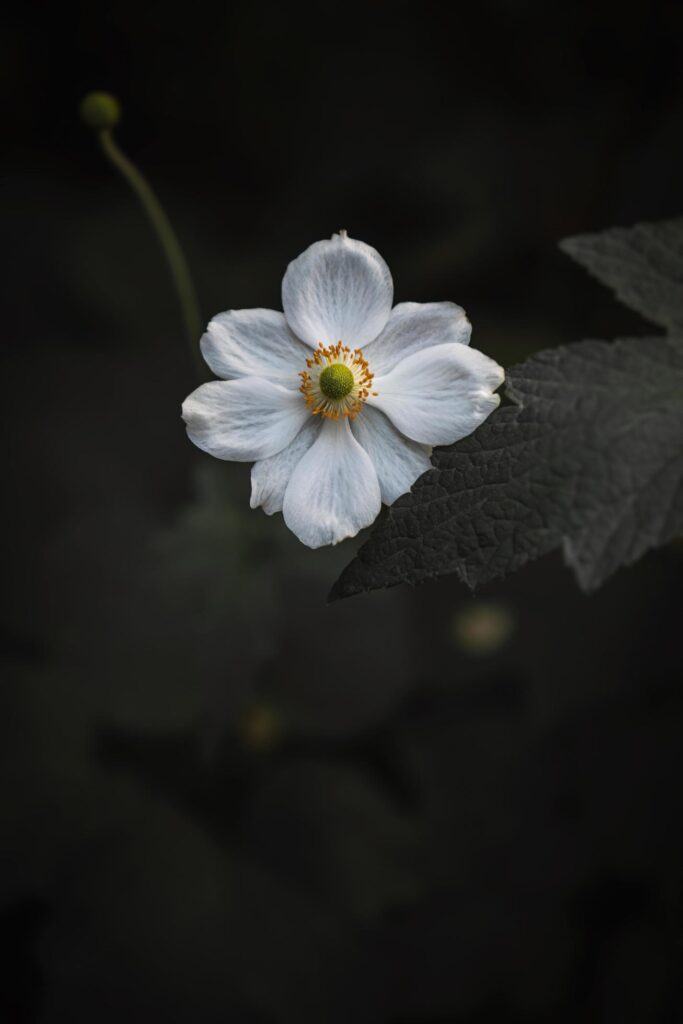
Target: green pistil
(336, 381)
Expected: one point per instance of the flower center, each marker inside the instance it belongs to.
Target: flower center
(336, 381)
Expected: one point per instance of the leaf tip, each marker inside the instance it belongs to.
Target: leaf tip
(570, 246)
(343, 587)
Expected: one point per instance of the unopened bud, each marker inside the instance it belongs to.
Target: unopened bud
(100, 110)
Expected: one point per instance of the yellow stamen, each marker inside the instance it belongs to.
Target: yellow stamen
(340, 364)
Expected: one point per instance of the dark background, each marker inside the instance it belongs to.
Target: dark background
(222, 798)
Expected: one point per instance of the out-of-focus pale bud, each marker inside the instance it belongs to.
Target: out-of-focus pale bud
(482, 628)
(261, 728)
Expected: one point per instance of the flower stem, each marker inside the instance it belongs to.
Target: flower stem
(166, 235)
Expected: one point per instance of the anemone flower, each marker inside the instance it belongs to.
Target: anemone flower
(338, 400)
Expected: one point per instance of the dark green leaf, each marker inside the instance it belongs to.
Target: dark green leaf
(643, 264)
(589, 455)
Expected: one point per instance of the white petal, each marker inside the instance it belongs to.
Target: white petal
(397, 461)
(440, 394)
(337, 290)
(254, 343)
(333, 492)
(413, 326)
(243, 420)
(270, 477)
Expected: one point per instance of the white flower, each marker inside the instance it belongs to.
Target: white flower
(338, 400)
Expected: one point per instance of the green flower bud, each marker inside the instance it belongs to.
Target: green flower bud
(100, 110)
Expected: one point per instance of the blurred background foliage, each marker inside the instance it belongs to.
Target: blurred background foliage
(222, 798)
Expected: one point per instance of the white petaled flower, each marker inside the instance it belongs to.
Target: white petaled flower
(338, 400)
